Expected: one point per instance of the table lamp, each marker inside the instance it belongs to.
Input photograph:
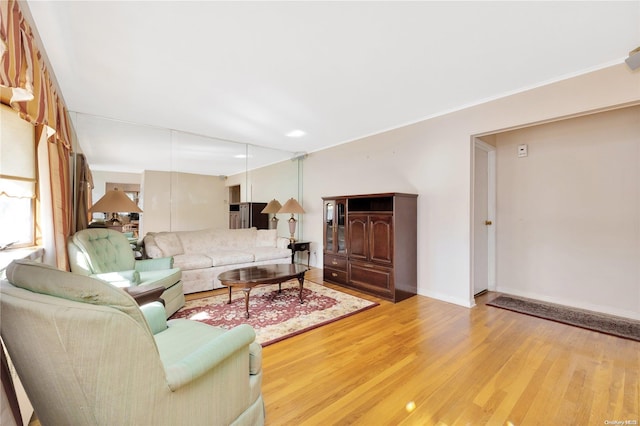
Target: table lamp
(274, 207)
(115, 201)
(293, 207)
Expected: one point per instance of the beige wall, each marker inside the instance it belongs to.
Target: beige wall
(100, 178)
(433, 159)
(174, 201)
(568, 214)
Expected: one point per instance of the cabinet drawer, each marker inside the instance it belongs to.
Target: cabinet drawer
(335, 262)
(335, 275)
(371, 277)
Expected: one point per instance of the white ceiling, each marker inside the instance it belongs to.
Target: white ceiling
(251, 72)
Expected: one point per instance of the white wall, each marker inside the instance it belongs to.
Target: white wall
(433, 159)
(173, 201)
(568, 214)
(100, 178)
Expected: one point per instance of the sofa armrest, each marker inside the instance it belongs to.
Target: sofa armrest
(155, 315)
(282, 242)
(120, 279)
(199, 362)
(154, 264)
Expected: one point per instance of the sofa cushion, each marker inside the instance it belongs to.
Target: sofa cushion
(187, 262)
(169, 243)
(266, 237)
(229, 257)
(194, 242)
(269, 253)
(151, 249)
(230, 239)
(164, 277)
(120, 278)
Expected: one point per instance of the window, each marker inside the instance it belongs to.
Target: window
(16, 226)
(17, 179)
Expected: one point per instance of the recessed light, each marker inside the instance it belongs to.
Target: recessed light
(296, 133)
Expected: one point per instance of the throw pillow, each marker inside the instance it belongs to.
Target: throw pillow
(266, 238)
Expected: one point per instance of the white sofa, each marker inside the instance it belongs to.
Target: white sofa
(202, 255)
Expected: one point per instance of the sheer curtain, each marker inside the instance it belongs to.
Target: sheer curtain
(29, 89)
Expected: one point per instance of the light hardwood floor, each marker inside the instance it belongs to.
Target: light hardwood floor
(457, 366)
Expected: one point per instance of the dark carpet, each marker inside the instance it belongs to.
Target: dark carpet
(609, 324)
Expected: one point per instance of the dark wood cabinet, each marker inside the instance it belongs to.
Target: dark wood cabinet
(380, 244)
(248, 215)
(335, 243)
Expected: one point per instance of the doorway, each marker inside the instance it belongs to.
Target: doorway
(483, 226)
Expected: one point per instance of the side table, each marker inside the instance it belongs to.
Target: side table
(146, 293)
(297, 246)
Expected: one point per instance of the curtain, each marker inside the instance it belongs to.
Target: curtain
(82, 193)
(28, 88)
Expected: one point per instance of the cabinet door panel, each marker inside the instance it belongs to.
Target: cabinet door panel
(381, 238)
(234, 220)
(244, 216)
(340, 235)
(329, 226)
(358, 237)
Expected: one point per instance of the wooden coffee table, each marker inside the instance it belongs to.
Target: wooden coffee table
(247, 278)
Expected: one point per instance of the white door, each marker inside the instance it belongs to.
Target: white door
(483, 226)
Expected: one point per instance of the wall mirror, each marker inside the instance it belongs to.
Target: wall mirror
(184, 179)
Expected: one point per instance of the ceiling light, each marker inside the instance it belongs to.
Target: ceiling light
(296, 133)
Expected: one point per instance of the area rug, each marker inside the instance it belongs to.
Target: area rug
(609, 324)
(276, 316)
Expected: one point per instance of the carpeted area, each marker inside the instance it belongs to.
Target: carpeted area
(609, 324)
(276, 316)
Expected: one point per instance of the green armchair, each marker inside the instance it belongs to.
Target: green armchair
(87, 354)
(107, 255)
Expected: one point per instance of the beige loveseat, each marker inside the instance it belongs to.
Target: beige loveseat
(202, 255)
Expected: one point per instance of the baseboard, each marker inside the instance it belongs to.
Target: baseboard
(446, 298)
(571, 303)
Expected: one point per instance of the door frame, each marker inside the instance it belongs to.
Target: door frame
(476, 142)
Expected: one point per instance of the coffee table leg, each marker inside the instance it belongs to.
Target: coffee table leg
(246, 301)
(301, 281)
(229, 302)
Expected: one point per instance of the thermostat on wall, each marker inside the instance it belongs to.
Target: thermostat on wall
(522, 150)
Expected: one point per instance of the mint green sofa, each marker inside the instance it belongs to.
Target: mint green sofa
(107, 255)
(87, 354)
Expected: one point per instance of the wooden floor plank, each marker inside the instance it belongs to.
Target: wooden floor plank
(458, 366)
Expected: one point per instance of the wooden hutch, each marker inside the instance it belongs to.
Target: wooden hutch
(370, 243)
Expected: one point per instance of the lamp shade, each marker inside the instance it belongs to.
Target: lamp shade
(115, 201)
(291, 206)
(274, 206)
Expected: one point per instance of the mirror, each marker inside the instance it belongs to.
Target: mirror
(184, 179)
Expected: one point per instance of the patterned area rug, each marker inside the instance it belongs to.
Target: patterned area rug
(609, 324)
(276, 316)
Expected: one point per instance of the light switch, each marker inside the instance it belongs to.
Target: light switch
(522, 150)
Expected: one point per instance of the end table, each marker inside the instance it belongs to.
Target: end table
(297, 246)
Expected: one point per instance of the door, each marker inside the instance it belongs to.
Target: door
(483, 217)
